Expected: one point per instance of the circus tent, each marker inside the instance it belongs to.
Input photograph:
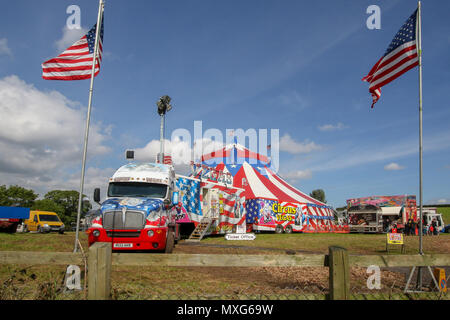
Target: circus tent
(265, 190)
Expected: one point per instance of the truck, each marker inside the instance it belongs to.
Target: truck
(148, 205)
(378, 214)
(139, 211)
(430, 214)
(12, 217)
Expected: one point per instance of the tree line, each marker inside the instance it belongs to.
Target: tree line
(63, 202)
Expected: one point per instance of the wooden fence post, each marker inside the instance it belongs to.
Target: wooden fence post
(339, 273)
(99, 271)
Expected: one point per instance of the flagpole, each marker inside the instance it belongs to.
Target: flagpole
(419, 51)
(88, 117)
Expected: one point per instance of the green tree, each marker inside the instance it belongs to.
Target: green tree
(318, 194)
(16, 196)
(68, 200)
(48, 205)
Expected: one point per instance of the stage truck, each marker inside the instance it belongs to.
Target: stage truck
(377, 214)
(149, 207)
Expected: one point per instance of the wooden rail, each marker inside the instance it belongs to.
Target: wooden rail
(100, 260)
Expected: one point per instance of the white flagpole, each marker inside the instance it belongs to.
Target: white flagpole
(86, 134)
(419, 52)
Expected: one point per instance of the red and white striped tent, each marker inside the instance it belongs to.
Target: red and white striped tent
(265, 190)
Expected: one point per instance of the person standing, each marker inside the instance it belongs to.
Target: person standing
(413, 227)
(434, 225)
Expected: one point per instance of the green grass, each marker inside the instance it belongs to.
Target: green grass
(319, 243)
(445, 214)
(41, 242)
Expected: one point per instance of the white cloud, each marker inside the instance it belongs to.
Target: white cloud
(443, 201)
(297, 175)
(332, 127)
(4, 49)
(393, 166)
(41, 135)
(69, 37)
(289, 145)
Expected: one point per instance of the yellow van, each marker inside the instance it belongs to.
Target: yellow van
(44, 221)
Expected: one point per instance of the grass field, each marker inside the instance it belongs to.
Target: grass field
(266, 243)
(445, 214)
(46, 282)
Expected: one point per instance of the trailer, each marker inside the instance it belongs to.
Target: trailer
(377, 214)
(209, 206)
(12, 217)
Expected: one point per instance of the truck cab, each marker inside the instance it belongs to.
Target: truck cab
(138, 213)
(430, 214)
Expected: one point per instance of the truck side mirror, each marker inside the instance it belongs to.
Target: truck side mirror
(97, 195)
(166, 203)
(175, 198)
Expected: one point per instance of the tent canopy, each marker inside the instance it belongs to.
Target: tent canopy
(252, 172)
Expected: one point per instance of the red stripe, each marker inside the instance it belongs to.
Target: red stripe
(80, 46)
(68, 69)
(74, 54)
(75, 77)
(56, 60)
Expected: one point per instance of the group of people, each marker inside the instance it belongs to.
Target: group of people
(412, 228)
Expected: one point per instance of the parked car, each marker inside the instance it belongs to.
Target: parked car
(446, 229)
(44, 221)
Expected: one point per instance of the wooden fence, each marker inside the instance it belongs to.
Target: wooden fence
(100, 260)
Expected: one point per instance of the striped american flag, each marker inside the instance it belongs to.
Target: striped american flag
(75, 63)
(400, 56)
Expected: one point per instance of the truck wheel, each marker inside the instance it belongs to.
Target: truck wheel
(279, 229)
(170, 242)
(39, 229)
(288, 229)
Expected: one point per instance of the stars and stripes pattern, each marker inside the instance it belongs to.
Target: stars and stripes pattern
(400, 56)
(190, 190)
(260, 214)
(75, 63)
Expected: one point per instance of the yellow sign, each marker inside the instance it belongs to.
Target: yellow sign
(277, 208)
(439, 274)
(395, 238)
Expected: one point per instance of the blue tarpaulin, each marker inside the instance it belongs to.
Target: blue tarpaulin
(14, 213)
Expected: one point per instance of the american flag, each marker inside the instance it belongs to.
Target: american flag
(400, 56)
(75, 63)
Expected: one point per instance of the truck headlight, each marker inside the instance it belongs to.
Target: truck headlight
(150, 233)
(45, 225)
(96, 233)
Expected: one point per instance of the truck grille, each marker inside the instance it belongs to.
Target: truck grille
(114, 220)
(123, 234)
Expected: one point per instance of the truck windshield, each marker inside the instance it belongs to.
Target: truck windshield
(137, 189)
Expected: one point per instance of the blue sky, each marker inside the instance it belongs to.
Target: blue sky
(295, 66)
